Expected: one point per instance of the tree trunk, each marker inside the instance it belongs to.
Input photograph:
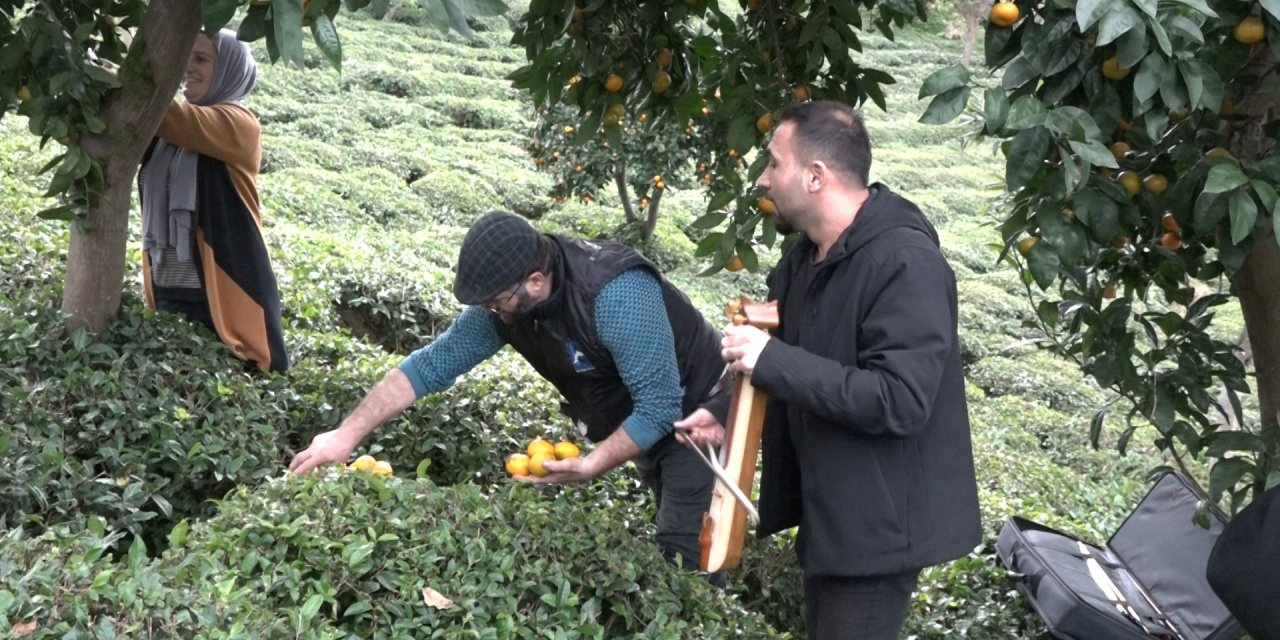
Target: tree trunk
(651, 219)
(972, 18)
(149, 78)
(1258, 287)
(620, 180)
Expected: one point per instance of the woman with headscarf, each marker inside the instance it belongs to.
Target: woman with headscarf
(203, 252)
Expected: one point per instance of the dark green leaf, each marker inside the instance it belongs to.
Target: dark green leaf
(1211, 86)
(1018, 73)
(1043, 264)
(1026, 112)
(1099, 212)
(1095, 427)
(286, 20)
(1226, 473)
(708, 245)
(326, 38)
(1225, 177)
(1162, 38)
(710, 220)
(945, 107)
(1118, 20)
(457, 19)
(254, 26)
(944, 80)
(483, 8)
(1224, 441)
(1088, 12)
(1094, 153)
(1244, 214)
(742, 133)
(1131, 48)
(1149, 77)
(995, 109)
(720, 200)
(61, 212)
(1027, 151)
(1209, 211)
(217, 13)
(1198, 5)
(589, 128)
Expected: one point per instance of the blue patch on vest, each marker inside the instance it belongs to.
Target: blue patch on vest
(577, 359)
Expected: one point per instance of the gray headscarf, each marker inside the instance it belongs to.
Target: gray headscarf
(169, 177)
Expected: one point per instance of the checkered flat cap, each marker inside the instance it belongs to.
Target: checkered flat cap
(499, 250)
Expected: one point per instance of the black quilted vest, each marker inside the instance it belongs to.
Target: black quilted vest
(558, 337)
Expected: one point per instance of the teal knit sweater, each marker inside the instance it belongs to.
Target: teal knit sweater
(631, 319)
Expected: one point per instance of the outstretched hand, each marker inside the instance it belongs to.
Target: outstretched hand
(330, 447)
(565, 471)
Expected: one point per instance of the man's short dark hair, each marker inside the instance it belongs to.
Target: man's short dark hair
(832, 132)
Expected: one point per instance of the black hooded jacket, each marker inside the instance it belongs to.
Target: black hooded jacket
(866, 442)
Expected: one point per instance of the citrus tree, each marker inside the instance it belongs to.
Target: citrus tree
(639, 162)
(96, 76)
(1142, 175)
(691, 66)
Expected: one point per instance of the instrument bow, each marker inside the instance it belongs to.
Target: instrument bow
(724, 525)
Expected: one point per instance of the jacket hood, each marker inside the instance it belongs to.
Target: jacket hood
(883, 211)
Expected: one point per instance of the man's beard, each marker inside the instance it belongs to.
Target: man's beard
(782, 226)
(523, 306)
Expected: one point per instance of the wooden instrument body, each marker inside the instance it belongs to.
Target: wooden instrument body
(724, 526)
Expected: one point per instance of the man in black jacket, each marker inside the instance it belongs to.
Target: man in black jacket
(866, 444)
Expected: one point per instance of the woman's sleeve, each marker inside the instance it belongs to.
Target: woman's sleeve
(226, 132)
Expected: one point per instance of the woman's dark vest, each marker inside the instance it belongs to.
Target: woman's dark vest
(558, 337)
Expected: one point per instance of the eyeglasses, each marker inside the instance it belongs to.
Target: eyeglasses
(497, 308)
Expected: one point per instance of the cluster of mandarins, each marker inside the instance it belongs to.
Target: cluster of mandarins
(370, 464)
(536, 453)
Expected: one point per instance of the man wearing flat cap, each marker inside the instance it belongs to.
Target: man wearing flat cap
(628, 351)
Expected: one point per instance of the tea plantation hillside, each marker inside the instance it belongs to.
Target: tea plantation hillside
(143, 490)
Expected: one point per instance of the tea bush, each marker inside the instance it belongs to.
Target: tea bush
(65, 583)
(409, 559)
